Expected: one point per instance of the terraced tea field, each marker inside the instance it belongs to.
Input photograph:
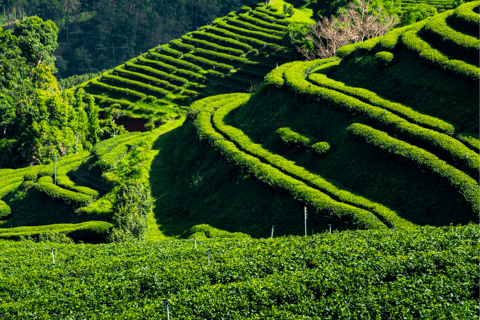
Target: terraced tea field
(231, 55)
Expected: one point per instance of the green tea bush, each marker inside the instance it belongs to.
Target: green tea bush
(213, 38)
(182, 46)
(169, 51)
(155, 63)
(434, 141)
(243, 24)
(267, 18)
(5, 210)
(303, 175)
(427, 53)
(261, 23)
(207, 62)
(252, 41)
(321, 147)
(163, 75)
(270, 13)
(470, 140)
(48, 170)
(467, 186)
(124, 91)
(291, 137)
(206, 231)
(374, 99)
(181, 63)
(221, 56)
(275, 77)
(453, 42)
(245, 8)
(64, 181)
(74, 198)
(212, 46)
(136, 84)
(466, 20)
(385, 58)
(250, 33)
(136, 75)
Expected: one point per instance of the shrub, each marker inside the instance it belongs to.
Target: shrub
(136, 84)
(272, 14)
(4, 209)
(179, 44)
(266, 17)
(158, 73)
(262, 23)
(167, 50)
(157, 64)
(224, 40)
(124, 91)
(203, 231)
(466, 20)
(275, 77)
(213, 46)
(291, 137)
(161, 83)
(249, 40)
(221, 56)
(55, 192)
(321, 147)
(208, 62)
(180, 63)
(249, 33)
(385, 58)
(243, 24)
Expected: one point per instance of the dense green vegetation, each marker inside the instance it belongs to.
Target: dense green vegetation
(429, 273)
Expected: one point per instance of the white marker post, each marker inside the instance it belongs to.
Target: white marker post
(305, 219)
(167, 308)
(271, 234)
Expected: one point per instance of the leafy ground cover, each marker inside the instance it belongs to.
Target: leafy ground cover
(398, 274)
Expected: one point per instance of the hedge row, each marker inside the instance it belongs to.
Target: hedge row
(249, 33)
(183, 46)
(266, 17)
(261, 23)
(426, 52)
(167, 50)
(167, 76)
(161, 83)
(374, 99)
(321, 147)
(273, 14)
(48, 170)
(67, 196)
(213, 38)
(221, 56)
(157, 64)
(470, 140)
(441, 143)
(467, 20)
(248, 25)
(275, 77)
(291, 137)
(6, 181)
(212, 46)
(105, 146)
(309, 178)
(252, 41)
(123, 91)
(181, 63)
(10, 188)
(388, 42)
(4, 209)
(453, 42)
(64, 181)
(467, 186)
(4, 173)
(136, 84)
(208, 62)
(274, 177)
(85, 231)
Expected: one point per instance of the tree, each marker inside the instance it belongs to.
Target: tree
(354, 24)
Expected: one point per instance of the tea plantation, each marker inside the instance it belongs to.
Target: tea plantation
(378, 144)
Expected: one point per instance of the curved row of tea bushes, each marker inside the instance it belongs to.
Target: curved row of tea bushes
(169, 51)
(274, 177)
(104, 147)
(441, 143)
(249, 33)
(221, 56)
(275, 77)
(273, 14)
(208, 62)
(212, 46)
(374, 99)
(466, 20)
(458, 44)
(291, 137)
(252, 41)
(267, 18)
(243, 24)
(9, 188)
(162, 75)
(261, 23)
(48, 170)
(154, 63)
(180, 63)
(470, 140)
(467, 186)
(413, 42)
(70, 197)
(140, 76)
(181, 46)
(311, 179)
(4, 209)
(85, 231)
(127, 92)
(64, 181)
(137, 84)
(213, 38)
